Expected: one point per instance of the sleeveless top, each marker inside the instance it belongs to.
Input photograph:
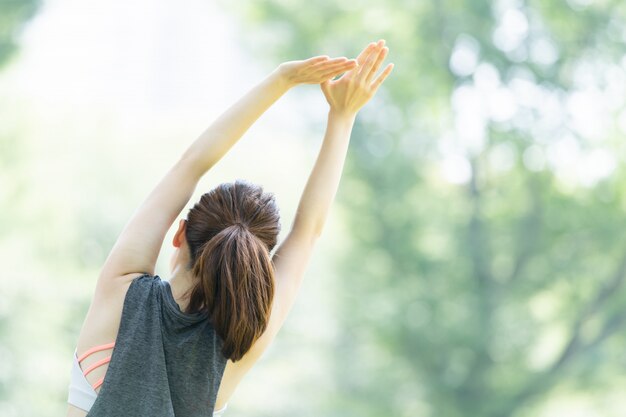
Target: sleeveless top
(165, 363)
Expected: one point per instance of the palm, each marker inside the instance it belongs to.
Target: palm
(356, 86)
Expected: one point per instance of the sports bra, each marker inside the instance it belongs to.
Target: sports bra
(81, 393)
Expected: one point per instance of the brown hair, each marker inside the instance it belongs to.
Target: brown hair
(231, 232)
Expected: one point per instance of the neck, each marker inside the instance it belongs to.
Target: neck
(181, 280)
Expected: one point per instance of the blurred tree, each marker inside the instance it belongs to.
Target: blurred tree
(478, 295)
(13, 16)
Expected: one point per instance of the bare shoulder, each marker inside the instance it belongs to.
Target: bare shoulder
(111, 287)
(101, 324)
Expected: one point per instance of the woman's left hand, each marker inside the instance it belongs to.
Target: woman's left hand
(314, 70)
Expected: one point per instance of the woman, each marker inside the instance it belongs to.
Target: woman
(181, 347)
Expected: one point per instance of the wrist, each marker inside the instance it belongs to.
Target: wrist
(342, 114)
(279, 77)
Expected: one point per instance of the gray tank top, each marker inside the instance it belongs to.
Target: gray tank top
(165, 363)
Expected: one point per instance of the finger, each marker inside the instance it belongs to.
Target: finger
(369, 62)
(325, 87)
(379, 80)
(345, 64)
(379, 60)
(317, 59)
(365, 52)
(335, 72)
(329, 62)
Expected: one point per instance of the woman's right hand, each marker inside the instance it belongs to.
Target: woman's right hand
(356, 87)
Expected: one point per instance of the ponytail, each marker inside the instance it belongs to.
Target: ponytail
(235, 285)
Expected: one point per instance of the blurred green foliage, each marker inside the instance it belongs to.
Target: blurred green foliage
(482, 297)
(14, 14)
(486, 295)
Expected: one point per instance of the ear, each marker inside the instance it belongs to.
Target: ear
(180, 234)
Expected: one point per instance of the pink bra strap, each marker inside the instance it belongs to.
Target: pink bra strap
(95, 349)
(96, 364)
(98, 383)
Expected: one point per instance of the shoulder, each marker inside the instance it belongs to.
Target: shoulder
(108, 287)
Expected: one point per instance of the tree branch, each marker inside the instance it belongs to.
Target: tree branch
(530, 227)
(603, 294)
(545, 380)
(479, 254)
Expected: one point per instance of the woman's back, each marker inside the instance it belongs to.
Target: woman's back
(117, 300)
(164, 362)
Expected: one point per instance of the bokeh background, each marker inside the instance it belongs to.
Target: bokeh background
(474, 262)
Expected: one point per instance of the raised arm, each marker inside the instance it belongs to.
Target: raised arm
(137, 248)
(346, 96)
